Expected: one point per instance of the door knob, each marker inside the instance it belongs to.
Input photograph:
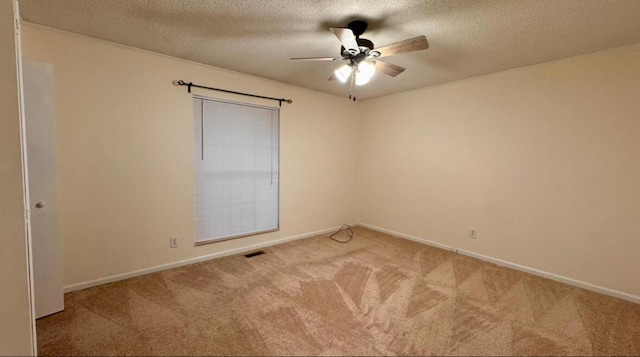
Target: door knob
(40, 204)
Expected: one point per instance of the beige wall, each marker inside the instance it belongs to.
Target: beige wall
(125, 144)
(543, 161)
(15, 311)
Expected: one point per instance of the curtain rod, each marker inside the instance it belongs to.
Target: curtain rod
(189, 85)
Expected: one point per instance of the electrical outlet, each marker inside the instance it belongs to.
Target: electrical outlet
(173, 242)
(473, 234)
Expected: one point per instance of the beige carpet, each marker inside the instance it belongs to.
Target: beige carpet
(376, 295)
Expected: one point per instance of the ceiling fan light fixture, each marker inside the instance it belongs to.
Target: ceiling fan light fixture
(366, 68)
(362, 56)
(361, 79)
(343, 73)
(364, 72)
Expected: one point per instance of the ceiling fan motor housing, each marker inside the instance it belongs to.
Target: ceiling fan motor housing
(365, 47)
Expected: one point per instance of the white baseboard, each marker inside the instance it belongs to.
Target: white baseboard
(556, 277)
(409, 237)
(157, 268)
(540, 273)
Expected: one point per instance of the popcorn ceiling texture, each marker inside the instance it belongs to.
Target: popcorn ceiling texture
(467, 38)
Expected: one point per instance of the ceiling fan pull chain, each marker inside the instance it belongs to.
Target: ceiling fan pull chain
(353, 86)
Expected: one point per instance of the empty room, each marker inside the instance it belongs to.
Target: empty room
(296, 177)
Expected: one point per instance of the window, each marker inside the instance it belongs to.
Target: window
(237, 162)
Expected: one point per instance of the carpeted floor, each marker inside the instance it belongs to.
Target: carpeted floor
(376, 295)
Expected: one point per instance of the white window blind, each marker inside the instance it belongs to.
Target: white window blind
(237, 161)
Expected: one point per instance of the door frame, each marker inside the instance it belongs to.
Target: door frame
(25, 173)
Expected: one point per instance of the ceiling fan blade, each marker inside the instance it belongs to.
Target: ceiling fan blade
(347, 38)
(418, 43)
(314, 59)
(389, 69)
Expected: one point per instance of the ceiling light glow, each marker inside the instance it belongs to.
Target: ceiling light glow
(364, 72)
(361, 79)
(343, 73)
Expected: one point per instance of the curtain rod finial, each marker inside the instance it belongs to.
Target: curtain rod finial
(176, 83)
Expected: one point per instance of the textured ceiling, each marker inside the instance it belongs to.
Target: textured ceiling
(467, 38)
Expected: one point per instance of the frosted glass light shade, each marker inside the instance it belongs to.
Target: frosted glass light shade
(364, 72)
(361, 79)
(342, 73)
(367, 68)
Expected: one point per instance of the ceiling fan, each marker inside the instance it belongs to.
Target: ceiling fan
(363, 58)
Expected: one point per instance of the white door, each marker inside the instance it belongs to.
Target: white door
(41, 158)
